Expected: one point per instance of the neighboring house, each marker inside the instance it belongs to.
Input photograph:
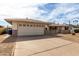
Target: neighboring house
(25, 27)
(1, 26)
(58, 28)
(1, 29)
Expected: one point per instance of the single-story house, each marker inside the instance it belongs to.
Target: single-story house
(58, 28)
(25, 27)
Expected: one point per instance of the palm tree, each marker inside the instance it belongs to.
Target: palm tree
(76, 21)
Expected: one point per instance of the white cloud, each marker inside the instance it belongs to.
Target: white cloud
(69, 12)
(19, 8)
(23, 9)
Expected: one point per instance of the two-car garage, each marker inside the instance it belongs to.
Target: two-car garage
(30, 29)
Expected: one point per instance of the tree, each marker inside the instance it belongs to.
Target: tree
(75, 21)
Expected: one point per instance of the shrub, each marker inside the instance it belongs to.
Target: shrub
(76, 30)
(2, 30)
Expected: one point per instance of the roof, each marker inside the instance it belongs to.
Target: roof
(24, 20)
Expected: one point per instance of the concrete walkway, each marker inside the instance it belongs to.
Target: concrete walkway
(3, 37)
(45, 46)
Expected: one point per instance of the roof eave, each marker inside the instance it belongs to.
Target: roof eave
(9, 21)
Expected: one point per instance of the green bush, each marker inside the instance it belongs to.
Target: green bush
(76, 30)
(2, 30)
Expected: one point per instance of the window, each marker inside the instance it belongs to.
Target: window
(36, 25)
(66, 28)
(39, 25)
(55, 28)
(20, 24)
(24, 25)
(27, 25)
(31, 25)
(42, 25)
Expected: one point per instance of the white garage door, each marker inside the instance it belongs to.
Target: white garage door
(24, 31)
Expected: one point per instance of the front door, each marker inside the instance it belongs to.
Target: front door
(45, 31)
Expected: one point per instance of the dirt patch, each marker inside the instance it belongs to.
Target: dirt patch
(70, 37)
(6, 47)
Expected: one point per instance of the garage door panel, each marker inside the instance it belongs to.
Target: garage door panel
(30, 31)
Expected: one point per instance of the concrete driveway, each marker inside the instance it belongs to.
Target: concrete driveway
(45, 45)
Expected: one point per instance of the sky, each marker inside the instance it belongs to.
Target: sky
(49, 12)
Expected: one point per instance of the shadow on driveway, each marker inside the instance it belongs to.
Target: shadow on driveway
(9, 40)
(28, 38)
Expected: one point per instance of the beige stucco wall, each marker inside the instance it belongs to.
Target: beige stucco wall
(14, 29)
(14, 25)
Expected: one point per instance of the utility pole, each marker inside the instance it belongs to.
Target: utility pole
(69, 26)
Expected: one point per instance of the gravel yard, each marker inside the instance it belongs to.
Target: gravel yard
(6, 45)
(70, 37)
